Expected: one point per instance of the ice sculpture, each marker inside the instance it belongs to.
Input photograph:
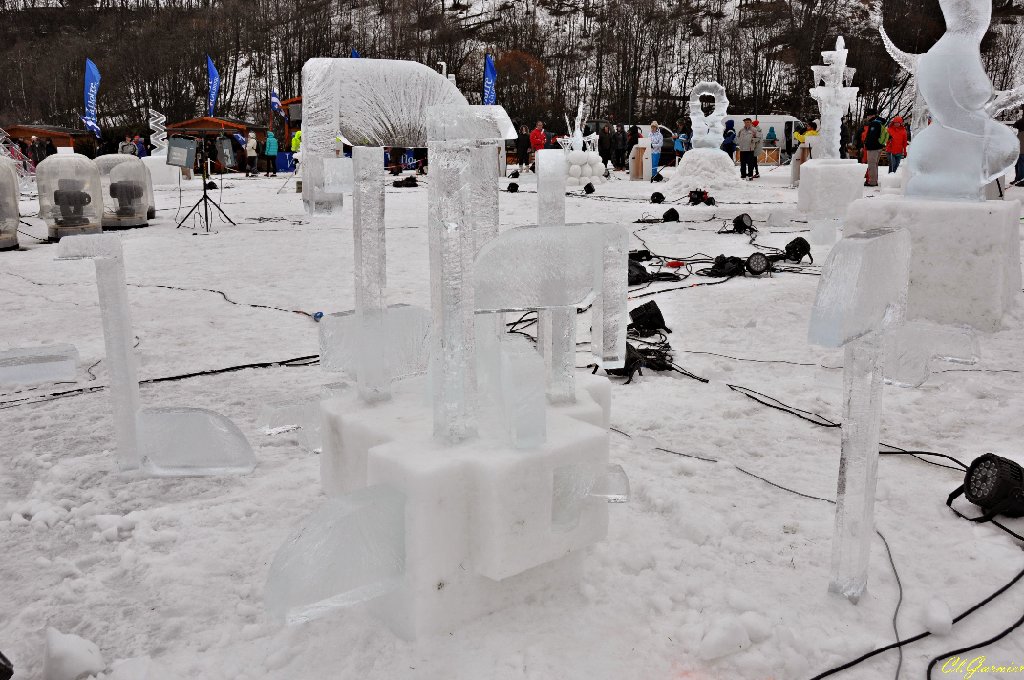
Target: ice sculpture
(351, 549)
(908, 62)
(834, 98)
(584, 162)
(124, 182)
(476, 122)
(10, 216)
(163, 441)
(953, 81)
(368, 102)
(51, 363)
(159, 137)
(861, 296)
(70, 195)
(708, 129)
(405, 341)
(523, 398)
(910, 349)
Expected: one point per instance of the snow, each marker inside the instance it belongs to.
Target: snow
(699, 546)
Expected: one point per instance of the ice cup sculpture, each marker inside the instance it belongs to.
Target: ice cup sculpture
(440, 512)
(10, 216)
(162, 442)
(124, 181)
(861, 297)
(70, 195)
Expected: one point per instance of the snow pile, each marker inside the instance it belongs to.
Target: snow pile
(69, 657)
(704, 169)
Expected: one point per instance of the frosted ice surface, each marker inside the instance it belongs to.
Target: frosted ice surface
(571, 490)
(339, 175)
(538, 268)
(88, 246)
(349, 550)
(370, 269)
(610, 311)
(302, 415)
(953, 81)
(484, 209)
(476, 122)
(910, 348)
(863, 287)
(829, 185)
(405, 341)
(824, 230)
(524, 404)
(182, 441)
(708, 130)
(51, 363)
(613, 485)
(551, 174)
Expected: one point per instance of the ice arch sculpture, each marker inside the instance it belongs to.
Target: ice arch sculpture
(708, 130)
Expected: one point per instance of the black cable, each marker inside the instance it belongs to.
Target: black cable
(957, 652)
(899, 602)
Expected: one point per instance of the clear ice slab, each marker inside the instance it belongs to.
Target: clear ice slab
(911, 348)
(192, 442)
(26, 365)
(404, 341)
(350, 550)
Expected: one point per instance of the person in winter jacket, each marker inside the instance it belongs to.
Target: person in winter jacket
(141, 147)
(604, 144)
(128, 147)
(873, 144)
(538, 139)
(251, 156)
(523, 146)
(657, 139)
(729, 139)
(1018, 175)
(297, 141)
(619, 148)
(270, 149)
(896, 147)
(632, 138)
(747, 140)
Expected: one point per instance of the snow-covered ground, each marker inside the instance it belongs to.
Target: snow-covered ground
(707, 573)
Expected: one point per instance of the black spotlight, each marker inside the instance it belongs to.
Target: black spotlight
(647, 319)
(7, 668)
(513, 187)
(588, 188)
(996, 485)
(671, 215)
(758, 264)
(657, 178)
(514, 175)
(743, 223)
(798, 249)
(657, 197)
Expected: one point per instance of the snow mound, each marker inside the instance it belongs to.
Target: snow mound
(704, 169)
(69, 657)
(937, 617)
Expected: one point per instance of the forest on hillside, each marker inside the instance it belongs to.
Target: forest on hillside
(630, 59)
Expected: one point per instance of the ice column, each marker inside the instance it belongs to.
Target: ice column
(556, 328)
(453, 361)
(833, 97)
(370, 271)
(862, 294)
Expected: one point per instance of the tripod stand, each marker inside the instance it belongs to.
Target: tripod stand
(205, 201)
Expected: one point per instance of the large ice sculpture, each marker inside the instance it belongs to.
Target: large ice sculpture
(51, 363)
(70, 195)
(908, 62)
(834, 98)
(953, 81)
(10, 216)
(708, 129)
(861, 296)
(163, 441)
(368, 102)
(584, 162)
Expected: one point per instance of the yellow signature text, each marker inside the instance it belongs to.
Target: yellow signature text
(979, 664)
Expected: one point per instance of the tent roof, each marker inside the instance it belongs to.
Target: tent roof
(213, 124)
(43, 130)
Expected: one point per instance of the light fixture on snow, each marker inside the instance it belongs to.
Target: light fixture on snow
(742, 223)
(670, 215)
(996, 485)
(758, 264)
(588, 188)
(657, 197)
(513, 187)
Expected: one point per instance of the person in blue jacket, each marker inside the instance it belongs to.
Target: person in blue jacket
(270, 149)
(729, 139)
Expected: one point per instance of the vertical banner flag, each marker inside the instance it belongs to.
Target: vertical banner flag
(275, 105)
(490, 80)
(355, 54)
(214, 80)
(92, 89)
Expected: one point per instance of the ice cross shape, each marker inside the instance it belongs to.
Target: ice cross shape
(862, 295)
(175, 441)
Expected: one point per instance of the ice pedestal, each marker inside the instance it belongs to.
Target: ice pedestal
(481, 529)
(26, 365)
(827, 187)
(704, 169)
(965, 266)
(161, 173)
(862, 295)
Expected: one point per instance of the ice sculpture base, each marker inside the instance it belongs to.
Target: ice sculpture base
(965, 264)
(162, 174)
(705, 169)
(829, 185)
(55, 233)
(486, 524)
(192, 442)
(9, 241)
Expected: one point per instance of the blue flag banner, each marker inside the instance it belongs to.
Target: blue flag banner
(92, 89)
(214, 79)
(275, 104)
(490, 81)
(239, 138)
(355, 54)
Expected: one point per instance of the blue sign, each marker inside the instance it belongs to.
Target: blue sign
(355, 54)
(214, 80)
(92, 89)
(490, 81)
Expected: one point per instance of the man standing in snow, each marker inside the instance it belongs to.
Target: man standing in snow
(896, 147)
(538, 140)
(873, 144)
(657, 139)
(251, 156)
(747, 141)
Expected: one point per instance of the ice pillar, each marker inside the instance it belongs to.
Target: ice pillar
(453, 361)
(370, 271)
(556, 328)
(834, 99)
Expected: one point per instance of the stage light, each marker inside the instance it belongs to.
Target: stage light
(670, 215)
(742, 224)
(647, 319)
(514, 174)
(798, 249)
(657, 197)
(588, 188)
(758, 264)
(996, 485)
(513, 188)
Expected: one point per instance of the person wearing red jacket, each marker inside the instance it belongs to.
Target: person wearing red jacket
(896, 147)
(538, 138)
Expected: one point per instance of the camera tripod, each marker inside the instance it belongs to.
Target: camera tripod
(205, 201)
